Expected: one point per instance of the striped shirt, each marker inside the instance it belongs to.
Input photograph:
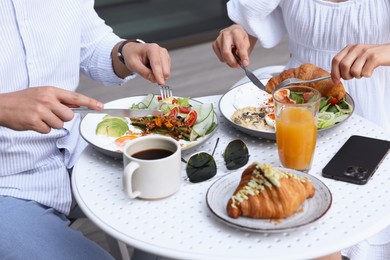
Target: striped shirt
(47, 43)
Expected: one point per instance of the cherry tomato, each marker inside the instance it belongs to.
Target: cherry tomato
(191, 118)
(159, 98)
(174, 101)
(333, 101)
(173, 112)
(184, 109)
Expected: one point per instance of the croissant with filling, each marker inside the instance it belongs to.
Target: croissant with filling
(309, 71)
(267, 192)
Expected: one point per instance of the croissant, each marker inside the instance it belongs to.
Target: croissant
(309, 71)
(267, 192)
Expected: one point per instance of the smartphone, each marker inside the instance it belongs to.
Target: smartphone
(357, 159)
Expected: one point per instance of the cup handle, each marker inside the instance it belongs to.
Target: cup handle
(127, 180)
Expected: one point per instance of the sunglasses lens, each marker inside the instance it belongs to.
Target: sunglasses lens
(236, 154)
(201, 167)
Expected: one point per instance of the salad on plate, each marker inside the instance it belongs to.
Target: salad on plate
(262, 117)
(184, 119)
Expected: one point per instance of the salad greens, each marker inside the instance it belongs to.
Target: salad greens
(152, 101)
(297, 97)
(199, 117)
(331, 110)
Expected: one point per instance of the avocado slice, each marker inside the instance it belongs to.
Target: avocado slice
(112, 126)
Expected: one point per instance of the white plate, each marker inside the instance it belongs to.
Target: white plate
(248, 94)
(106, 145)
(313, 209)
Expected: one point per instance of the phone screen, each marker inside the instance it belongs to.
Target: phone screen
(357, 159)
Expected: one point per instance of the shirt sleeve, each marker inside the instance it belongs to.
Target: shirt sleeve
(97, 42)
(260, 18)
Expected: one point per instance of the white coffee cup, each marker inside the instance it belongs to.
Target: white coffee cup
(152, 167)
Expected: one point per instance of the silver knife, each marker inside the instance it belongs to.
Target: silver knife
(249, 73)
(121, 112)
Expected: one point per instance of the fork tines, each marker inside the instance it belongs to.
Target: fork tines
(165, 91)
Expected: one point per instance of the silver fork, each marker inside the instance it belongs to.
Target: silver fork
(165, 91)
(296, 81)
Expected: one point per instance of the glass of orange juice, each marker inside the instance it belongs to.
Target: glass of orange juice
(296, 109)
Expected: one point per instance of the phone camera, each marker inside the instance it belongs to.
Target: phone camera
(350, 171)
(355, 171)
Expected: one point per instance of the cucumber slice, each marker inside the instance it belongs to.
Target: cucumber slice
(206, 115)
(149, 102)
(326, 116)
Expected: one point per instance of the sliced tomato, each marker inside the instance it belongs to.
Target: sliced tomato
(191, 118)
(184, 109)
(333, 101)
(174, 112)
(175, 101)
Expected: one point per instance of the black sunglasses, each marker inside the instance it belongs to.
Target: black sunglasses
(202, 167)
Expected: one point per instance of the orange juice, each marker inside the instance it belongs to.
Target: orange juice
(296, 134)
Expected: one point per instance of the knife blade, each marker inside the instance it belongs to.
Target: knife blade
(249, 73)
(122, 112)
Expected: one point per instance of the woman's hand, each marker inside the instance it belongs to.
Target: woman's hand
(148, 60)
(41, 108)
(234, 37)
(359, 60)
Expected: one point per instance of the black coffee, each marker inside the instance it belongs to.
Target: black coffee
(152, 154)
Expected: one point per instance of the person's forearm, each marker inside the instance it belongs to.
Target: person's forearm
(2, 123)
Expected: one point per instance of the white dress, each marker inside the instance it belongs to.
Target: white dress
(317, 31)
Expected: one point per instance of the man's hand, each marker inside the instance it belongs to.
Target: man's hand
(41, 108)
(359, 60)
(234, 37)
(148, 60)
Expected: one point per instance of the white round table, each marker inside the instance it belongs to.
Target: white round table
(183, 227)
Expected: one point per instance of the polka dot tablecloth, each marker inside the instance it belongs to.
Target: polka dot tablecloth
(183, 227)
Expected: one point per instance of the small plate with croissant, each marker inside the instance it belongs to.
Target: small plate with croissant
(268, 199)
(251, 110)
